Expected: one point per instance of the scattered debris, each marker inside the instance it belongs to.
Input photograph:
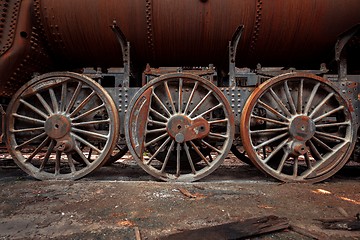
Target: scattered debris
(343, 212)
(125, 223)
(265, 206)
(234, 230)
(137, 233)
(308, 233)
(188, 194)
(350, 224)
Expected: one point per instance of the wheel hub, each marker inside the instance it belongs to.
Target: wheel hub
(183, 129)
(57, 126)
(302, 128)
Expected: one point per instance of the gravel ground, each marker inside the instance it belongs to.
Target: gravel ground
(116, 200)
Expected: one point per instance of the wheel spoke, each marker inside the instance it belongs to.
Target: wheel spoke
(180, 95)
(217, 136)
(191, 97)
(314, 151)
(71, 163)
(63, 97)
(161, 103)
(322, 144)
(178, 148)
(300, 97)
(347, 123)
(289, 97)
(200, 103)
(91, 122)
(57, 163)
(34, 109)
(82, 104)
(82, 156)
(271, 140)
(276, 150)
(169, 97)
(267, 131)
(311, 98)
(53, 100)
(80, 139)
(210, 146)
(307, 160)
(158, 150)
(270, 120)
(30, 140)
(199, 153)
(167, 156)
(210, 110)
(272, 110)
(279, 102)
(91, 134)
(44, 103)
(225, 120)
(74, 97)
(27, 130)
(282, 162)
(321, 104)
(89, 112)
(296, 166)
(157, 122)
(158, 130)
(156, 139)
(47, 155)
(158, 114)
(330, 137)
(28, 119)
(189, 158)
(37, 150)
(328, 113)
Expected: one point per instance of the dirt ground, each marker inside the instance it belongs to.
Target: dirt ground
(116, 200)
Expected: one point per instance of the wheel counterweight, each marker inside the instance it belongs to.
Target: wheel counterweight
(179, 127)
(61, 126)
(297, 127)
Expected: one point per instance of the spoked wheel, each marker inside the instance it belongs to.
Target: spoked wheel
(179, 127)
(297, 127)
(61, 126)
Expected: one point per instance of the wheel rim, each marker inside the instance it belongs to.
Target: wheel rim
(297, 127)
(175, 136)
(61, 126)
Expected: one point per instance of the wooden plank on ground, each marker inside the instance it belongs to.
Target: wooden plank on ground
(234, 230)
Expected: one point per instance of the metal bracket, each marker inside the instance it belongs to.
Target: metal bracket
(343, 39)
(232, 54)
(125, 48)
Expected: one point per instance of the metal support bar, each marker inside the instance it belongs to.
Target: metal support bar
(3, 117)
(232, 54)
(340, 57)
(125, 48)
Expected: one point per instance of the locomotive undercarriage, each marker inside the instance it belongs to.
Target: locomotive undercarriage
(294, 125)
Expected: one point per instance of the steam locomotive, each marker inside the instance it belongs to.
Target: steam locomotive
(179, 84)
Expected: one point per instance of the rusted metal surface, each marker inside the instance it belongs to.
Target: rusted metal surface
(298, 127)
(61, 126)
(169, 33)
(179, 127)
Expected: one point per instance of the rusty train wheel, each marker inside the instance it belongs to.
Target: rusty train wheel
(61, 126)
(297, 127)
(181, 118)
